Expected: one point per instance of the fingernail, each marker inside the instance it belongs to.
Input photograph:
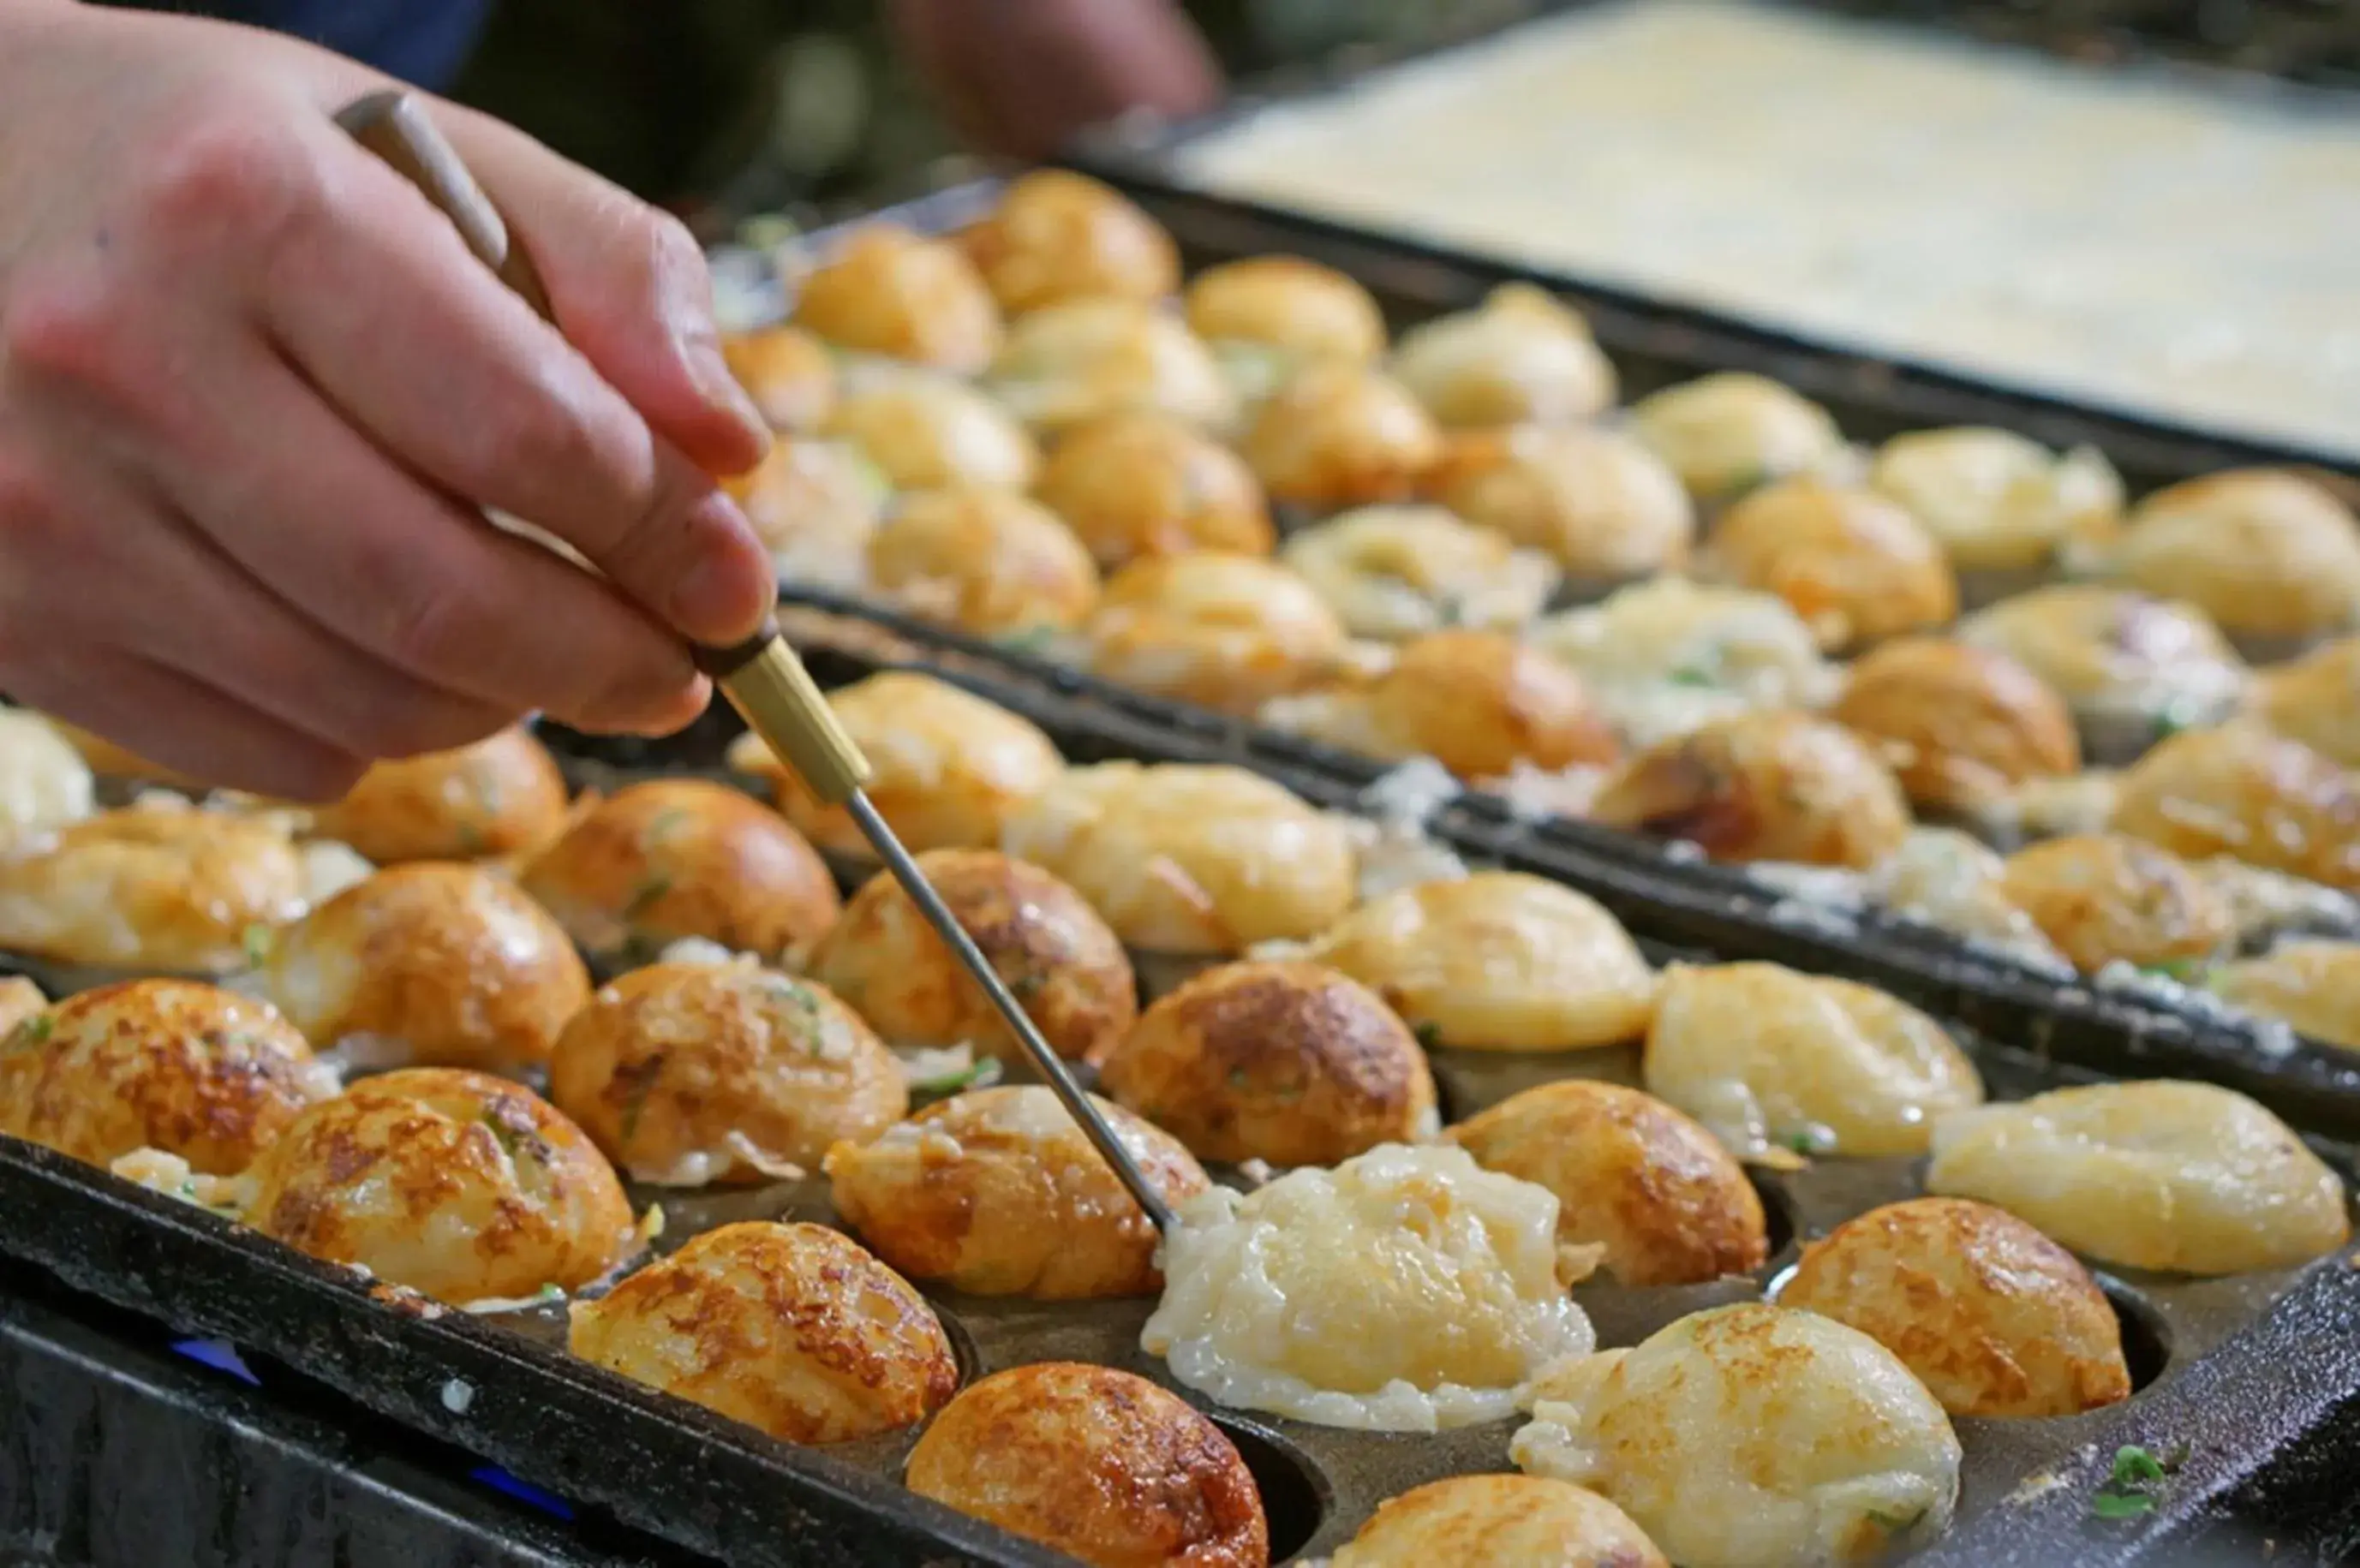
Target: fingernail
(722, 393)
(723, 594)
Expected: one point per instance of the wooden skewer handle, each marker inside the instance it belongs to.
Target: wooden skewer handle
(762, 677)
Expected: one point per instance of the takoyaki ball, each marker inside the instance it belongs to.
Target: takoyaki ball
(2186, 1178)
(1753, 1436)
(1668, 1204)
(689, 1073)
(1084, 359)
(816, 504)
(1059, 959)
(1857, 568)
(1304, 312)
(1764, 1056)
(1667, 656)
(680, 857)
(1290, 1063)
(1097, 1464)
(2105, 898)
(1341, 435)
(1190, 859)
(948, 767)
(164, 888)
(1496, 961)
(1597, 502)
(1993, 1317)
(925, 431)
(1144, 484)
(788, 373)
(792, 1328)
(1762, 786)
(1392, 572)
(2311, 986)
(1949, 878)
(997, 1193)
(903, 296)
(985, 561)
(502, 796)
(1058, 235)
(1406, 1289)
(2272, 557)
(20, 998)
(2315, 699)
(1996, 501)
(2242, 790)
(1227, 631)
(1725, 433)
(2117, 655)
(1481, 704)
(431, 962)
(171, 1065)
(1959, 724)
(1523, 358)
(460, 1185)
(44, 782)
(1504, 1521)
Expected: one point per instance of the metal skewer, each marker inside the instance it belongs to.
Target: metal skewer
(762, 677)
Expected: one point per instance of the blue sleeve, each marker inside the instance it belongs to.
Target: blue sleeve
(421, 41)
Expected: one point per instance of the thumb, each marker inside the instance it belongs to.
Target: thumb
(628, 285)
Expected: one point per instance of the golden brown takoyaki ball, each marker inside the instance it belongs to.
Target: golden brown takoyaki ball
(1292, 1063)
(792, 1328)
(1201, 859)
(1998, 501)
(888, 291)
(815, 504)
(1668, 1204)
(2270, 555)
(1308, 312)
(1225, 630)
(502, 796)
(1523, 358)
(2311, 986)
(1502, 1521)
(997, 1193)
(1393, 572)
(1058, 235)
(1993, 1317)
(1777, 785)
(985, 561)
(1597, 502)
(788, 373)
(680, 857)
(1061, 960)
(1764, 1055)
(1341, 435)
(2188, 1178)
(1856, 567)
(1496, 961)
(1095, 1464)
(174, 889)
(686, 1073)
(1725, 433)
(1084, 359)
(170, 1064)
(1958, 723)
(2242, 790)
(1482, 702)
(2116, 653)
(2102, 897)
(2315, 699)
(1142, 483)
(462, 1186)
(925, 431)
(948, 767)
(433, 963)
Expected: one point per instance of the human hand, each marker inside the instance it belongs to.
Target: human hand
(254, 391)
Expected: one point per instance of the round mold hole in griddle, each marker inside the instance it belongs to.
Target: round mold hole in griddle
(2146, 1336)
(1295, 1496)
(1777, 1214)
